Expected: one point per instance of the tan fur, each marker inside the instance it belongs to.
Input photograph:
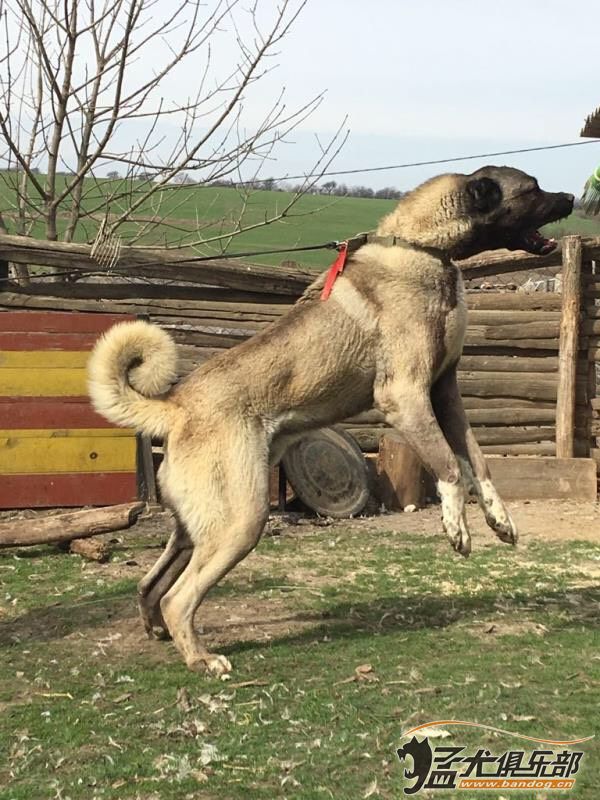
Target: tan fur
(131, 396)
(389, 337)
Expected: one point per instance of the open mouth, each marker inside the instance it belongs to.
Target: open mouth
(535, 243)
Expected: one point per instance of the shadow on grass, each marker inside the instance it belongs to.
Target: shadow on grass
(347, 619)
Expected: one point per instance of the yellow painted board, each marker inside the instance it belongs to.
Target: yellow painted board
(61, 433)
(15, 382)
(43, 359)
(83, 454)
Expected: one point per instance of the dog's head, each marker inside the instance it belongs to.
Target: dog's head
(492, 208)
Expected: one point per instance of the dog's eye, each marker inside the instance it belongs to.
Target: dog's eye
(484, 194)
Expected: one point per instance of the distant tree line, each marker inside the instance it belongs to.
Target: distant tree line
(329, 188)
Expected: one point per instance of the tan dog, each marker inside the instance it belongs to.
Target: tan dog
(389, 336)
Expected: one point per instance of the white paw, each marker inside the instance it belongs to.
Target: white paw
(218, 665)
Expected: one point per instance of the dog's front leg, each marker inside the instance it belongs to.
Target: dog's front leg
(409, 410)
(449, 411)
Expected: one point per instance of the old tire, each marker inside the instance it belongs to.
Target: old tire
(328, 472)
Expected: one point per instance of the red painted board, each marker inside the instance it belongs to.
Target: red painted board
(47, 341)
(49, 413)
(59, 321)
(68, 489)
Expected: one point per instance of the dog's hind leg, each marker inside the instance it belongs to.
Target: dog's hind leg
(449, 410)
(223, 500)
(159, 580)
(408, 408)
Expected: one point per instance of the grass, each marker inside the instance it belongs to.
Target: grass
(90, 709)
(315, 219)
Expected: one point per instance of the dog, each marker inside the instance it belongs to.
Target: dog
(388, 337)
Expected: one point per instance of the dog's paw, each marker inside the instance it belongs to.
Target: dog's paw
(459, 537)
(504, 528)
(218, 665)
(215, 664)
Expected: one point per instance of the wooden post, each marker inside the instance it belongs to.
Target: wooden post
(568, 347)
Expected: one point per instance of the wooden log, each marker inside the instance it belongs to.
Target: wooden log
(199, 314)
(567, 355)
(503, 363)
(510, 416)
(518, 385)
(513, 301)
(529, 449)
(475, 339)
(532, 386)
(500, 317)
(65, 527)
(201, 338)
(517, 330)
(512, 435)
(171, 265)
(504, 402)
(544, 478)
(402, 481)
(501, 262)
(90, 549)
(127, 290)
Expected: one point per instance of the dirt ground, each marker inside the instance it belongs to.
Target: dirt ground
(549, 519)
(258, 618)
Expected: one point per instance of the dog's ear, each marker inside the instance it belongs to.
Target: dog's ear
(484, 194)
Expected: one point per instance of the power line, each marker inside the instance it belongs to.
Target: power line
(422, 163)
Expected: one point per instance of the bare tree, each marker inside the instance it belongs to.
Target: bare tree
(76, 105)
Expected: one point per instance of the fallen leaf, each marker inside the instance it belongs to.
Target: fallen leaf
(371, 789)
(184, 702)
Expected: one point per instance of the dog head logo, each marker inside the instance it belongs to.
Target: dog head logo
(422, 756)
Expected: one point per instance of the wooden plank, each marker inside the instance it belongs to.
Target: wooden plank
(42, 382)
(501, 384)
(511, 416)
(544, 478)
(166, 264)
(500, 262)
(504, 402)
(498, 317)
(567, 355)
(47, 341)
(514, 301)
(508, 363)
(127, 290)
(528, 449)
(43, 359)
(44, 454)
(67, 489)
(68, 433)
(475, 338)
(57, 322)
(68, 412)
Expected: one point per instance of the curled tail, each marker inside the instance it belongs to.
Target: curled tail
(130, 371)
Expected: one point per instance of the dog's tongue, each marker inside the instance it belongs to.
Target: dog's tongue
(534, 242)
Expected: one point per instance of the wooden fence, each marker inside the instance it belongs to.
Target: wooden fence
(529, 373)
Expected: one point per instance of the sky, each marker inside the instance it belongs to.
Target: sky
(428, 79)
(411, 80)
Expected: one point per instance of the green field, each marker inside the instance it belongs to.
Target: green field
(193, 213)
(92, 710)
